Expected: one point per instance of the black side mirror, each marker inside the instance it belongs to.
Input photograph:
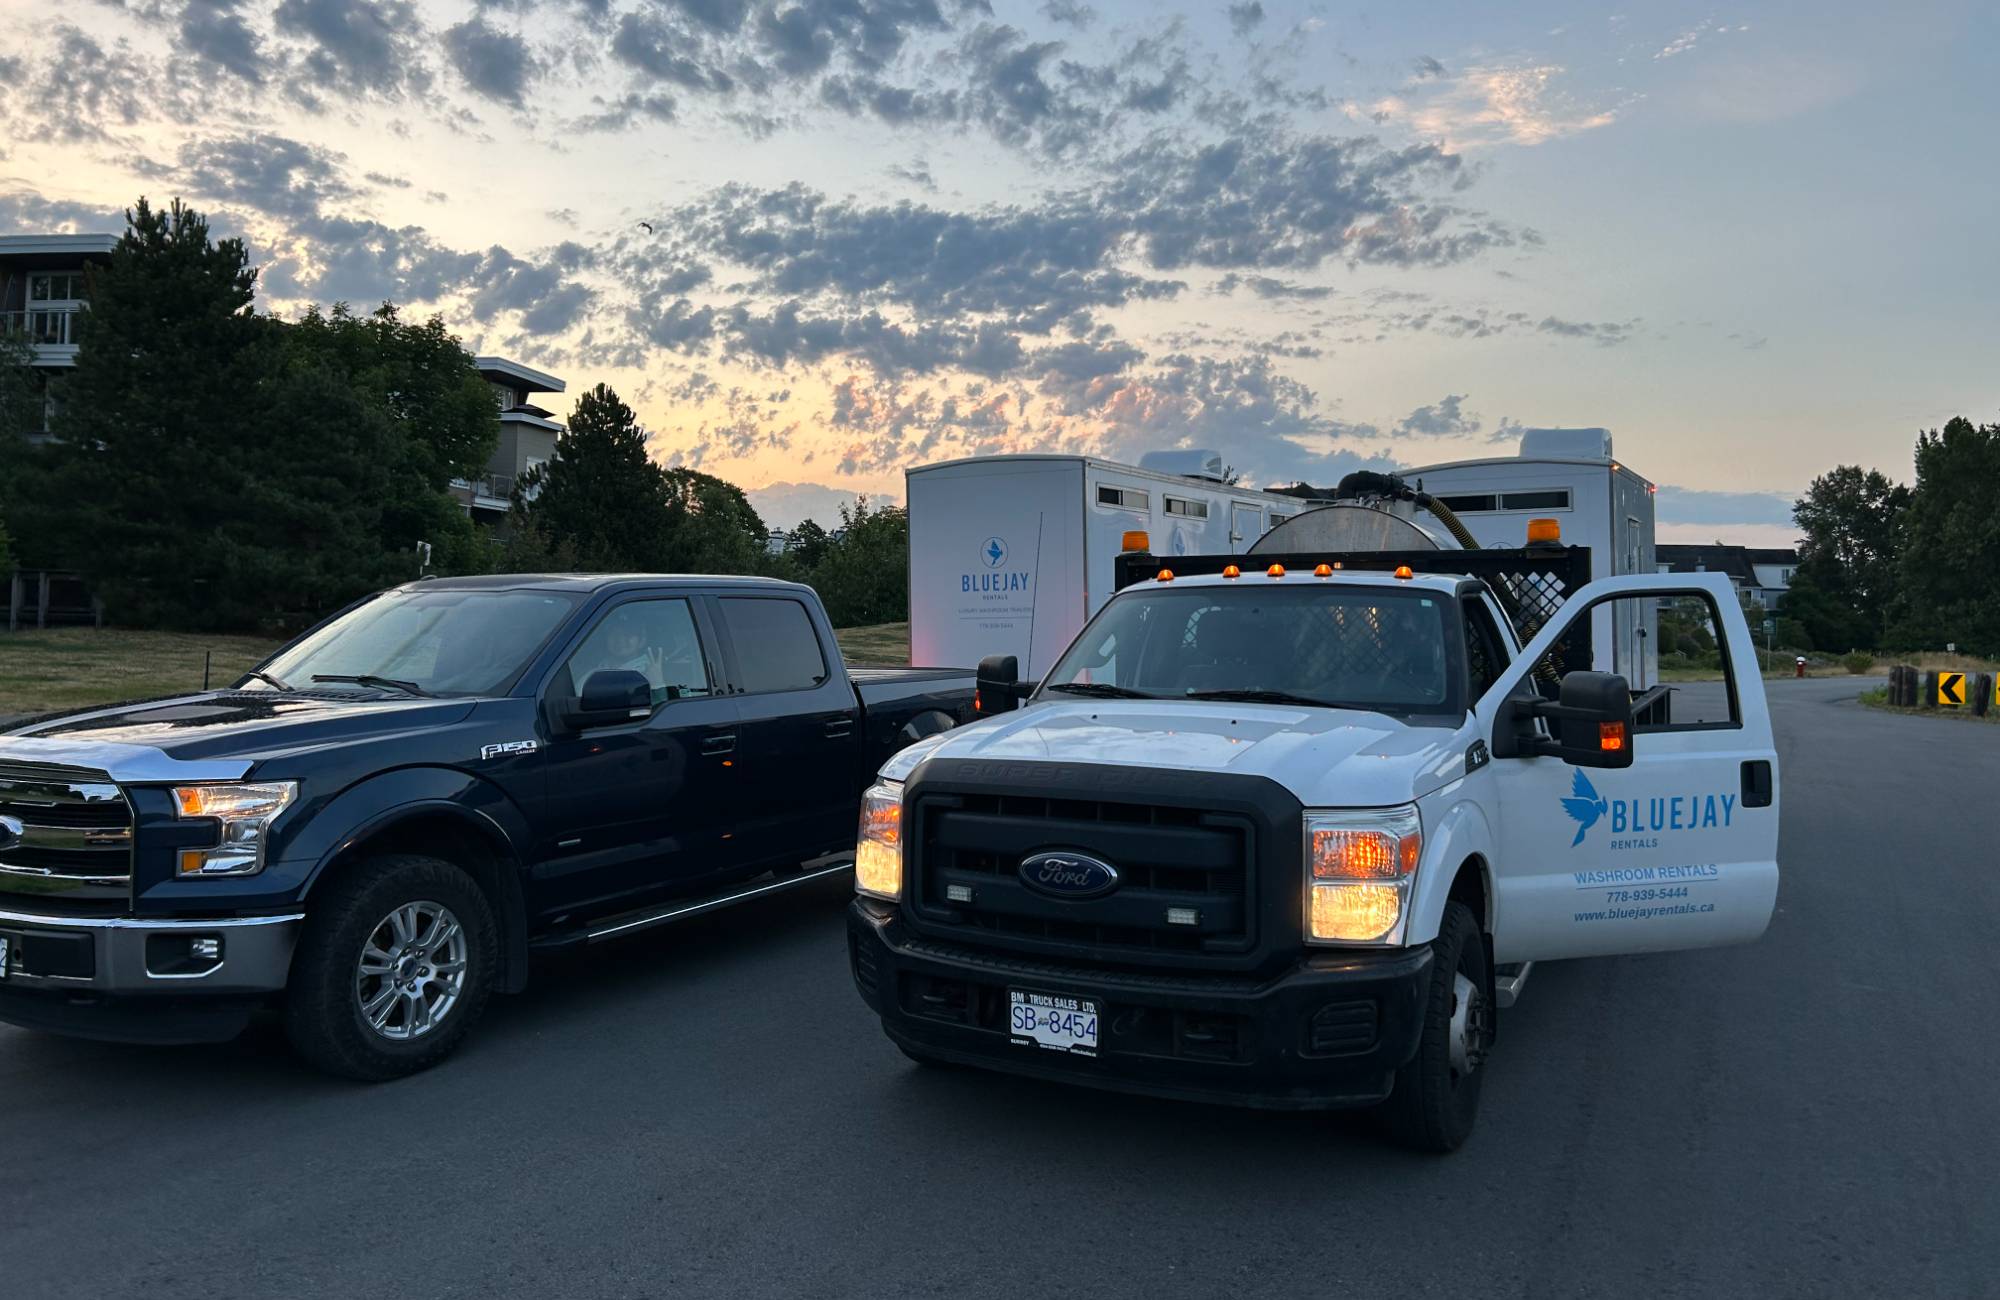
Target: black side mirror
(999, 685)
(610, 697)
(1592, 722)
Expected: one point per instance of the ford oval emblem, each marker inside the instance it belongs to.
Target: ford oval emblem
(11, 831)
(1068, 875)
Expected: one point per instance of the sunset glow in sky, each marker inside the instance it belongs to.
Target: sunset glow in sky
(817, 241)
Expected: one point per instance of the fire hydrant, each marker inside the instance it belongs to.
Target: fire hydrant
(1801, 666)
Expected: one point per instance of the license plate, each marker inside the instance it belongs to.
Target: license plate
(1051, 1020)
(5, 944)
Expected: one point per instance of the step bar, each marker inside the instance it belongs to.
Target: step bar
(681, 910)
(1507, 982)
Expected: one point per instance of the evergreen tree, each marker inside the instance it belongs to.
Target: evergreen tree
(809, 545)
(1950, 562)
(600, 499)
(154, 435)
(1847, 582)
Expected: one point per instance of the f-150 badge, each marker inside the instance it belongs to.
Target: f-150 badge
(509, 748)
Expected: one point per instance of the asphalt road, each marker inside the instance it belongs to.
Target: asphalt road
(710, 1111)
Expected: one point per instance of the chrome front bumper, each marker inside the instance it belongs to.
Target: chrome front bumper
(124, 955)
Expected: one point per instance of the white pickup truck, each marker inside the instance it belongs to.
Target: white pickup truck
(1289, 839)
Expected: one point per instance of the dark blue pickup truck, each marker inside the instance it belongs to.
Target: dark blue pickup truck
(374, 828)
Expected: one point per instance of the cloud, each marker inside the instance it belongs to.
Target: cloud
(214, 32)
(1446, 418)
(83, 89)
(353, 44)
(1070, 13)
(1491, 105)
(494, 63)
(1427, 67)
(1265, 286)
(1699, 506)
(266, 172)
(1245, 18)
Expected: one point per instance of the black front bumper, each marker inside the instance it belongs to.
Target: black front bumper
(1329, 1032)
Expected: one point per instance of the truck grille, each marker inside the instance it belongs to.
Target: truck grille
(1194, 864)
(74, 839)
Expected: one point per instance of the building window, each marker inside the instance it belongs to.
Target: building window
(56, 286)
(1186, 508)
(1277, 519)
(504, 396)
(1123, 498)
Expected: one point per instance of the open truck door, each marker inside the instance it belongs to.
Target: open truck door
(1672, 843)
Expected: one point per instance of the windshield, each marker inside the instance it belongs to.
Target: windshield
(1344, 647)
(439, 642)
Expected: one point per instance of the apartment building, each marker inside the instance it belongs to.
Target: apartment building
(44, 284)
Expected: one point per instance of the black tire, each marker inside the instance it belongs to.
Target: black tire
(323, 1012)
(1434, 1105)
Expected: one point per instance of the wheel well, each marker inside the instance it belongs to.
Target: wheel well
(453, 839)
(1470, 887)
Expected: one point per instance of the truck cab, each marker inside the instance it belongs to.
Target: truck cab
(1290, 836)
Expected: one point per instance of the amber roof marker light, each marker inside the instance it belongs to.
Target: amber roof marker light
(1275, 571)
(1231, 571)
(1322, 571)
(1165, 575)
(1405, 572)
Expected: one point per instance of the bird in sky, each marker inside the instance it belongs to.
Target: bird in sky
(646, 226)
(1584, 805)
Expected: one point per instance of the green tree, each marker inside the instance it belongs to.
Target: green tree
(864, 577)
(155, 432)
(712, 528)
(1950, 562)
(1847, 584)
(809, 546)
(20, 392)
(600, 500)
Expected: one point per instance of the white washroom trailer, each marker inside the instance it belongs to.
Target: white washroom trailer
(1571, 476)
(1013, 554)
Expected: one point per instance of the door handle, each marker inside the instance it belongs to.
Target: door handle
(839, 727)
(1756, 783)
(721, 744)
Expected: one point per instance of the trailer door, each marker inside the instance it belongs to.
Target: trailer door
(1679, 850)
(1246, 525)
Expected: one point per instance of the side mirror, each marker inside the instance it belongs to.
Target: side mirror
(1592, 722)
(610, 697)
(999, 688)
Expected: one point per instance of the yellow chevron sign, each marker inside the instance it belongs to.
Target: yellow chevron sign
(1951, 688)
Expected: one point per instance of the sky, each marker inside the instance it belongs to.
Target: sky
(816, 242)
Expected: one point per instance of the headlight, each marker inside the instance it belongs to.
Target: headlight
(904, 761)
(1359, 869)
(878, 856)
(243, 813)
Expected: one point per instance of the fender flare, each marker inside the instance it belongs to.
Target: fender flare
(1462, 833)
(380, 803)
(928, 723)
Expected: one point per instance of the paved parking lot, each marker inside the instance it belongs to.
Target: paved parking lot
(712, 1111)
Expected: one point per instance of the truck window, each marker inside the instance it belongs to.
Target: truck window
(1695, 664)
(447, 641)
(1485, 652)
(776, 647)
(1345, 647)
(654, 638)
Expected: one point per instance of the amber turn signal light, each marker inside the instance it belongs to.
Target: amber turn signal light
(1611, 736)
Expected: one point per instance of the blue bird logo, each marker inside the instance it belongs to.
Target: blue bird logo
(1584, 805)
(995, 552)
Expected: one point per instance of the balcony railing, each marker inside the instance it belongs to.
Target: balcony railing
(49, 327)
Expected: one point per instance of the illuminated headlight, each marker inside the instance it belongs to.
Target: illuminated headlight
(1359, 870)
(878, 855)
(242, 813)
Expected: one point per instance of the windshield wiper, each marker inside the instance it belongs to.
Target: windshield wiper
(1262, 697)
(370, 679)
(1105, 689)
(263, 676)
